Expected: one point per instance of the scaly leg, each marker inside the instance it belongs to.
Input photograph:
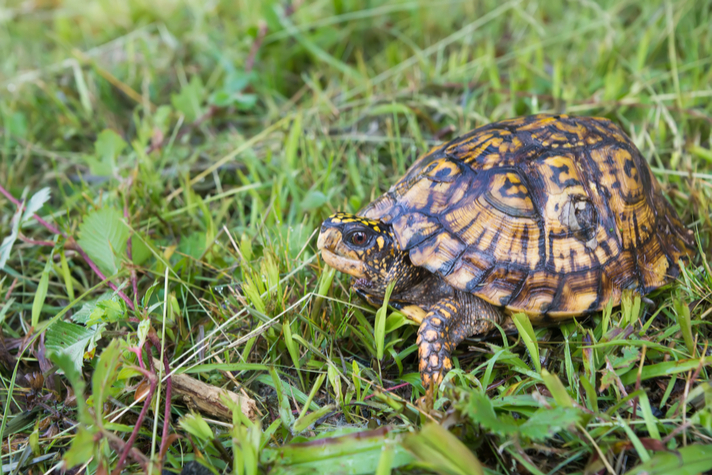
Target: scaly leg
(448, 322)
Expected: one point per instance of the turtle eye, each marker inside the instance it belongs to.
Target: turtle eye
(358, 238)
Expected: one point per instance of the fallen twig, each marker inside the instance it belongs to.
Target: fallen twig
(206, 398)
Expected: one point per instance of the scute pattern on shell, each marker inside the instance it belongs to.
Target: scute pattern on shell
(549, 215)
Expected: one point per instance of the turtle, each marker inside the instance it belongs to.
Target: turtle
(553, 216)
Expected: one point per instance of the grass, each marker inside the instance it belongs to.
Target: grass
(214, 137)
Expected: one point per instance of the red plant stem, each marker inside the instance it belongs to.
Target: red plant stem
(398, 386)
(169, 389)
(44, 223)
(134, 434)
(96, 270)
(34, 242)
(167, 411)
(76, 247)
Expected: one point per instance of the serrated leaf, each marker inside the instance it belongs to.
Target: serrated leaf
(481, 411)
(103, 237)
(189, 100)
(7, 243)
(104, 375)
(107, 148)
(82, 315)
(107, 311)
(36, 202)
(70, 339)
(629, 356)
(545, 423)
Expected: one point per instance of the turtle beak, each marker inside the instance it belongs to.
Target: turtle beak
(338, 256)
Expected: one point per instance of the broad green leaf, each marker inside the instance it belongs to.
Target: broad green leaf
(196, 426)
(72, 340)
(84, 313)
(442, 452)
(103, 237)
(690, 460)
(35, 203)
(82, 448)
(192, 245)
(557, 389)
(190, 99)
(353, 454)
(107, 311)
(548, 422)
(16, 125)
(107, 148)
(479, 408)
(104, 375)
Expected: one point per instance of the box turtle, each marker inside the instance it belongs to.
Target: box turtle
(549, 215)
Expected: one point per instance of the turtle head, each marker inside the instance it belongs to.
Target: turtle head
(367, 250)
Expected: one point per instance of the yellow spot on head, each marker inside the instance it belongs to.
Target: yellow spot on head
(381, 242)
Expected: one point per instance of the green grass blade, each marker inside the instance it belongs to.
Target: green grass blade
(526, 332)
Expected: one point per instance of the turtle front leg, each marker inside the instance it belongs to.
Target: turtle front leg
(448, 322)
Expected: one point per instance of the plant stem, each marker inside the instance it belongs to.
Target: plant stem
(73, 245)
(129, 443)
(44, 223)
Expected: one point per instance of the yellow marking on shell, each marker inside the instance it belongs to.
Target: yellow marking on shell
(508, 194)
(433, 361)
(538, 123)
(442, 170)
(436, 321)
(478, 223)
(414, 226)
(434, 253)
(447, 363)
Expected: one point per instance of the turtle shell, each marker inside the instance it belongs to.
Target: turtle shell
(548, 215)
